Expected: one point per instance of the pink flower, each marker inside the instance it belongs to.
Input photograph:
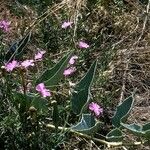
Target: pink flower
(42, 90)
(83, 45)
(39, 55)
(69, 71)
(96, 109)
(10, 66)
(72, 59)
(66, 24)
(27, 63)
(4, 25)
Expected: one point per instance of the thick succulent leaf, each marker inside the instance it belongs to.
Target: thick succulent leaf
(147, 134)
(87, 125)
(114, 135)
(79, 100)
(146, 126)
(139, 130)
(16, 49)
(86, 81)
(134, 128)
(122, 111)
(52, 76)
(81, 93)
(146, 130)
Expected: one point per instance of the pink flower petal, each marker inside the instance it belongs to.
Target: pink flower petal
(96, 109)
(40, 87)
(27, 63)
(39, 55)
(83, 45)
(4, 25)
(66, 24)
(69, 71)
(45, 93)
(42, 90)
(10, 66)
(72, 59)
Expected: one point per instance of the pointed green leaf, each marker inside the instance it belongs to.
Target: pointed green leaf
(122, 111)
(114, 135)
(16, 50)
(52, 76)
(81, 93)
(87, 125)
(49, 73)
(22, 43)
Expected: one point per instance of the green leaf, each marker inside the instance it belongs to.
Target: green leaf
(40, 104)
(147, 134)
(87, 125)
(122, 111)
(16, 50)
(134, 128)
(86, 81)
(50, 72)
(81, 93)
(48, 2)
(146, 126)
(21, 101)
(52, 76)
(146, 130)
(24, 102)
(142, 131)
(22, 43)
(55, 114)
(114, 135)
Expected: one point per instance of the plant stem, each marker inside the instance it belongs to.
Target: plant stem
(109, 144)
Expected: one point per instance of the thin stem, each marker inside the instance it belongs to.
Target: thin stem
(23, 82)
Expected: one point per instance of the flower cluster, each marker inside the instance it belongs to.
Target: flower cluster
(70, 70)
(25, 64)
(81, 43)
